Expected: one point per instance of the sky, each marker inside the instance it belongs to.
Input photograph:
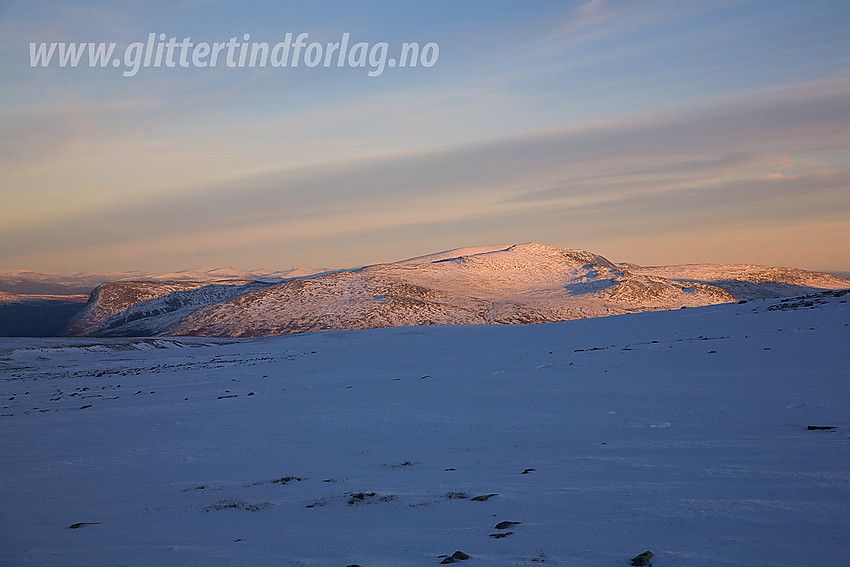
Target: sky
(654, 132)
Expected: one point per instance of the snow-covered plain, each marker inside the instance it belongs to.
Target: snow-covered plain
(682, 432)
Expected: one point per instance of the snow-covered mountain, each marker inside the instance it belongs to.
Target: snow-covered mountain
(149, 308)
(6, 297)
(747, 281)
(217, 274)
(524, 283)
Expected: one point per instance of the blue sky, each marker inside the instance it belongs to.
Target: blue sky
(653, 132)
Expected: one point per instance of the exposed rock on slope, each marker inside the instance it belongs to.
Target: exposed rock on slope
(526, 283)
(149, 308)
(747, 281)
(8, 297)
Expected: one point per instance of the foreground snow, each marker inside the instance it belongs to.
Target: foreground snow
(684, 433)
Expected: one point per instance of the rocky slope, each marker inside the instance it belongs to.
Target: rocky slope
(149, 308)
(747, 281)
(524, 283)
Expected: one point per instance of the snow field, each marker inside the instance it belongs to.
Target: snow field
(683, 432)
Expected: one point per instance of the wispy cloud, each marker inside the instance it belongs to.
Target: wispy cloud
(657, 167)
(598, 19)
(550, 124)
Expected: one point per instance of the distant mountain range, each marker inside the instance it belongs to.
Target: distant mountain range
(27, 282)
(524, 283)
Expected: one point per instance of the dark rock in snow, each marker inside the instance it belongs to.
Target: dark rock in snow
(505, 525)
(82, 525)
(483, 497)
(456, 556)
(642, 560)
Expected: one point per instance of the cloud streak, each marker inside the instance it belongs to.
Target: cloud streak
(654, 168)
(565, 124)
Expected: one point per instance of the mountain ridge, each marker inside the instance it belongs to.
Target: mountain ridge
(495, 284)
(519, 284)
